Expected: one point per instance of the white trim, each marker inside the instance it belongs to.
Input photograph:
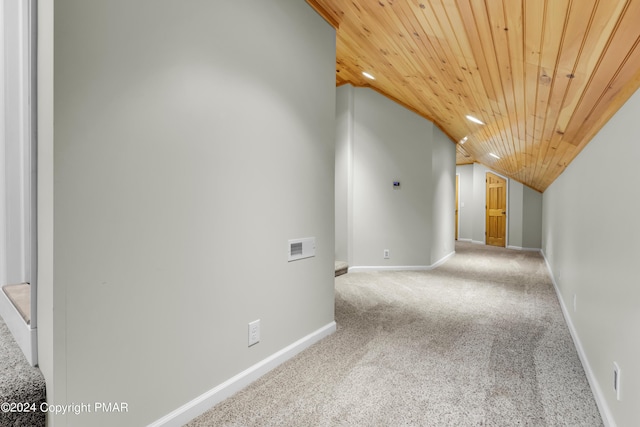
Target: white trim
(465, 240)
(520, 248)
(24, 335)
(3, 196)
(477, 242)
(363, 268)
(401, 267)
(31, 168)
(208, 400)
(605, 412)
(443, 260)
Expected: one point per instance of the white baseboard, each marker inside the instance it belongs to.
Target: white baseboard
(208, 400)
(25, 336)
(363, 268)
(520, 248)
(464, 240)
(442, 260)
(605, 412)
(478, 242)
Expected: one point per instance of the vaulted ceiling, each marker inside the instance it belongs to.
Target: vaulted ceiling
(542, 75)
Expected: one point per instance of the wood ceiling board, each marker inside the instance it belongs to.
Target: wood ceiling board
(533, 21)
(466, 86)
(511, 75)
(570, 80)
(552, 30)
(515, 39)
(475, 50)
(620, 97)
(484, 81)
(427, 71)
(620, 53)
(541, 74)
(481, 94)
(602, 83)
(500, 116)
(448, 86)
(402, 48)
(580, 107)
(602, 21)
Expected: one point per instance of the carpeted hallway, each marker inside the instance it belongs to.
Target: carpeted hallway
(479, 341)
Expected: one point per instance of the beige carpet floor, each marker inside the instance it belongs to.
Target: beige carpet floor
(479, 341)
(19, 382)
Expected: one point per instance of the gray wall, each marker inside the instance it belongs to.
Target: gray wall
(187, 142)
(390, 143)
(344, 137)
(478, 210)
(531, 218)
(443, 179)
(515, 211)
(525, 217)
(590, 239)
(387, 143)
(524, 209)
(465, 201)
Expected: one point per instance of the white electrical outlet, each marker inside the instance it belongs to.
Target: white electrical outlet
(254, 332)
(386, 254)
(616, 380)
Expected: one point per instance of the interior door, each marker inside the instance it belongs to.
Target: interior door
(457, 184)
(496, 210)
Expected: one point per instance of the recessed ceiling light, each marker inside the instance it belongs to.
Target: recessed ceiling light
(494, 156)
(463, 140)
(473, 119)
(367, 75)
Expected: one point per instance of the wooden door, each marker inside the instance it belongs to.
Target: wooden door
(457, 184)
(496, 210)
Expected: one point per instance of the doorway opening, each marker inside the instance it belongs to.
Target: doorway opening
(18, 249)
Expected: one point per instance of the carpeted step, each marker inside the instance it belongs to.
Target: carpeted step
(20, 297)
(341, 268)
(20, 384)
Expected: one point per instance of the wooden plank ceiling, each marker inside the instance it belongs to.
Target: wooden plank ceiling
(543, 75)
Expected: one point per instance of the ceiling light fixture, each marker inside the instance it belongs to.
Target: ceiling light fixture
(494, 156)
(474, 120)
(463, 140)
(367, 75)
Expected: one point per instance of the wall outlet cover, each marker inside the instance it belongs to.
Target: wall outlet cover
(616, 380)
(254, 332)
